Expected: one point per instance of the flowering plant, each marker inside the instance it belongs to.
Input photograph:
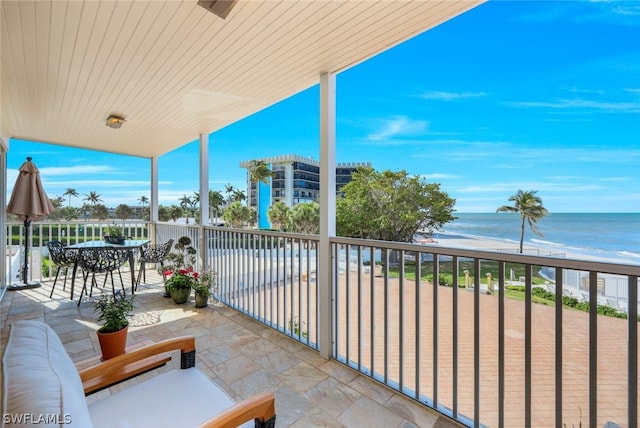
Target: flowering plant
(188, 278)
(181, 279)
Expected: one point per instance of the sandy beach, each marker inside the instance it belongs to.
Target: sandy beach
(473, 242)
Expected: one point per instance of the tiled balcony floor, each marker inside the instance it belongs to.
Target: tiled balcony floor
(239, 354)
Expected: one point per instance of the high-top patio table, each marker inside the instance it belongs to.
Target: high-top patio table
(129, 244)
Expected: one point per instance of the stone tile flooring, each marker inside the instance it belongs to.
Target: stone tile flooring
(237, 353)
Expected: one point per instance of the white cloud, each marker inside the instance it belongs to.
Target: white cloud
(440, 176)
(399, 126)
(450, 96)
(629, 107)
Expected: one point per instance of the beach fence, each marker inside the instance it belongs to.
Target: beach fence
(612, 290)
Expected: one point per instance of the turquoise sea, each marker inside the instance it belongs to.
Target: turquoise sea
(615, 235)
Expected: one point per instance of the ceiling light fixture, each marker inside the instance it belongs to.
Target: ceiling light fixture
(115, 122)
(220, 8)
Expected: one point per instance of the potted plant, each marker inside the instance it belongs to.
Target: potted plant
(114, 310)
(114, 235)
(180, 283)
(203, 288)
(183, 257)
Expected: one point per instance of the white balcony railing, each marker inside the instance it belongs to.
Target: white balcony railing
(487, 345)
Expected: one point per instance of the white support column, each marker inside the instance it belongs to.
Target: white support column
(327, 209)
(153, 203)
(204, 180)
(204, 199)
(153, 199)
(4, 147)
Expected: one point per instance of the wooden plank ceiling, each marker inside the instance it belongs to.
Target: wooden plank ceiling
(173, 69)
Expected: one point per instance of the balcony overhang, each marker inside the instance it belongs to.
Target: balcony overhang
(173, 70)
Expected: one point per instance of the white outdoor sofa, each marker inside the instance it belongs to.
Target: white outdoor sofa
(42, 387)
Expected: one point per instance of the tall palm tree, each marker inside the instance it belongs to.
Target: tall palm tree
(215, 204)
(143, 200)
(185, 204)
(93, 198)
(530, 208)
(70, 192)
(229, 189)
(259, 172)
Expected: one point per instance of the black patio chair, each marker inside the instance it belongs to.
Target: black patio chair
(153, 253)
(63, 258)
(100, 260)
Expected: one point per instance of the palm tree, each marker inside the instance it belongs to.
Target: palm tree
(175, 212)
(238, 196)
(57, 201)
(530, 208)
(237, 214)
(259, 172)
(305, 218)
(278, 214)
(215, 204)
(93, 198)
(229, 189)
(189, 204)
(70, 192)
(143, 200)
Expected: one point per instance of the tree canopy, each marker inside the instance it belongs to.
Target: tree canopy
(390, 206)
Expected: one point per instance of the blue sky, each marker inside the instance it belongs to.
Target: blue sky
(511, 95)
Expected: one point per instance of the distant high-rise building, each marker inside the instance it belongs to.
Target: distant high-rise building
(295, 179)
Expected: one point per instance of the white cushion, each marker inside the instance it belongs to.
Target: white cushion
(41, 385)
(177, 398)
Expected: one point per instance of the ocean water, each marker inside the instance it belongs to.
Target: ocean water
(614, 235)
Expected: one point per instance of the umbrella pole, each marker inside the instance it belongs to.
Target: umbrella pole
(25, 268)
(25, 284)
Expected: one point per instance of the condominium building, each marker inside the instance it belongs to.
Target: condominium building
(295, 179)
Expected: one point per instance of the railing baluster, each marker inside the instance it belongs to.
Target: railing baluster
(454, 323)
(632, 352)
(359, 310)
(593, 349)
(416, 308)
(347, 302)
(476, 342)
(401, 321)
(436, 284)
(527, 344)
(501, 317)
(559, 334)
(386, 317)
(372, 344)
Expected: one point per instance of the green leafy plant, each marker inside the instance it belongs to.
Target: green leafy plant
(114, 310)
(114, 231)
(182, 257)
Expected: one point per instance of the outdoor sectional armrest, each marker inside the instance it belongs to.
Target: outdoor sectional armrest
(114, 370)
(260, 407)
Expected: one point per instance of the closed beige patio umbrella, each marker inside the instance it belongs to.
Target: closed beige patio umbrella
(28, 201)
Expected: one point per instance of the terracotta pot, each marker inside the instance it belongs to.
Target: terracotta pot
(180, 295)
(113, 344)
(202, 300)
